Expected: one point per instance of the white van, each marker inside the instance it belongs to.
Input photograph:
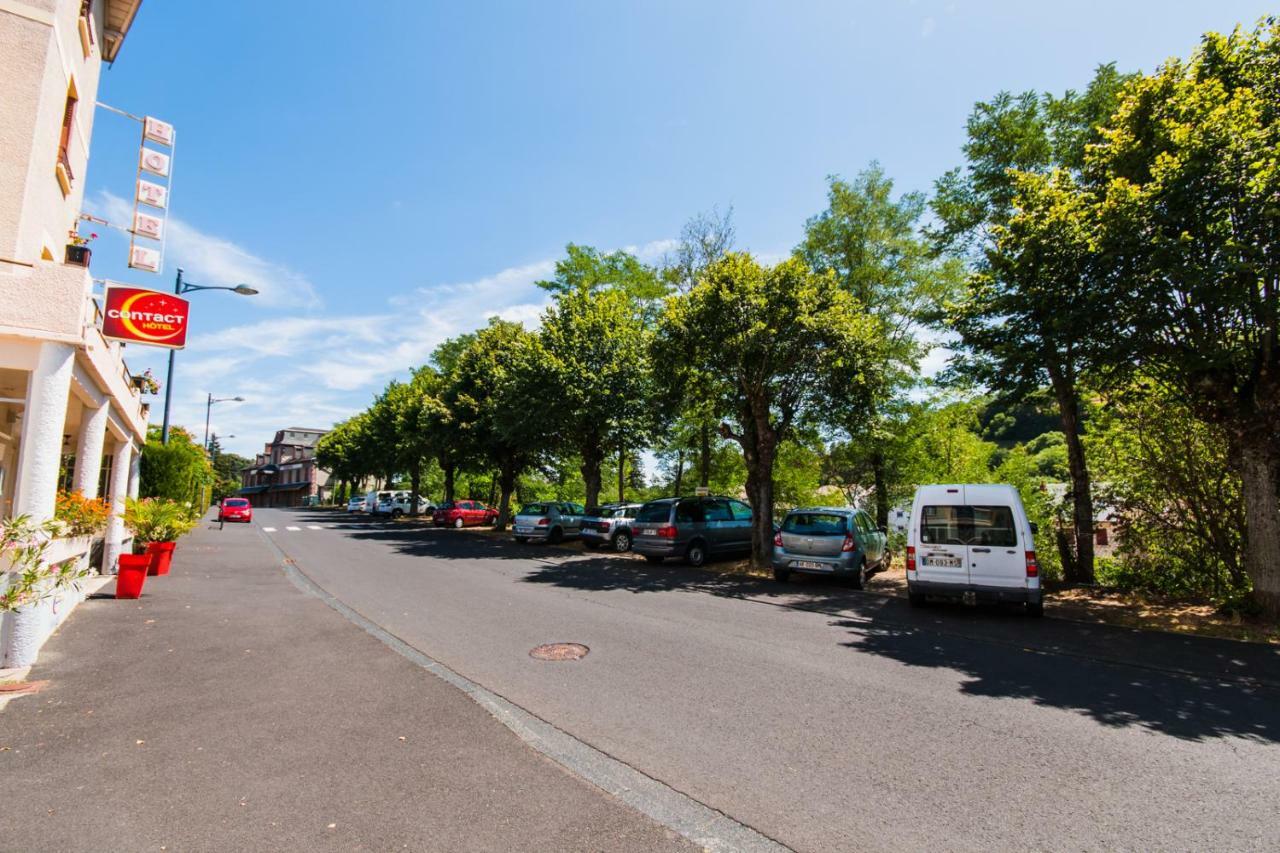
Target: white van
(372, 499)
(974, 542)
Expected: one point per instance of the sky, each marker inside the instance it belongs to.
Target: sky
(393, 173)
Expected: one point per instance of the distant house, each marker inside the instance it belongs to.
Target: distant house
(1105, 522)
(285, 472)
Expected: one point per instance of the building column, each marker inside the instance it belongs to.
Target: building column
(43, 418)
(116, 533)
(135, 475)
(93, 431)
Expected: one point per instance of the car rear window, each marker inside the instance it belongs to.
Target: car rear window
(658, 512)
(235, 502)
(535, 509)
(968, 525)
(816, 524)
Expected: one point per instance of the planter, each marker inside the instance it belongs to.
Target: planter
(161, 554)
(78, 255)
(132, 575)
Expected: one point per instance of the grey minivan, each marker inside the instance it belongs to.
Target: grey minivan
(547, 521)
(829, 541)
(695, 528)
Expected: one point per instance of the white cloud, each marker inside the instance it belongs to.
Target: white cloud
(928, 26)
(216, 261)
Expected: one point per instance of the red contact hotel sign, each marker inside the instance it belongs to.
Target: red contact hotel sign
(139, 316)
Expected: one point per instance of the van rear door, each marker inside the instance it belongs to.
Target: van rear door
(942, 555)
(995, 556)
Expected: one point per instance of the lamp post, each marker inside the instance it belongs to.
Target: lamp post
(180, 287)
(208, 406)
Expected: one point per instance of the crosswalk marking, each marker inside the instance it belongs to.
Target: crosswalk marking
(293, 529)
(268, 530)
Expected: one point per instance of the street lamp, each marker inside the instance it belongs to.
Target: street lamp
(180, 287)
(209, 405)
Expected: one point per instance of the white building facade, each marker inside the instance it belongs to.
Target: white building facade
(70, 413)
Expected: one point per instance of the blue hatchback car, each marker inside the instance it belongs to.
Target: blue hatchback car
(829, 541)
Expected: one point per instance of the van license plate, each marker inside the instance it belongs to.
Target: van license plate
(941, 562)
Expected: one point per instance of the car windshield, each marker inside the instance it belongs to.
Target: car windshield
(235, 502)
(816, 524)
(654, 512)
(969, 525)
(535, 509)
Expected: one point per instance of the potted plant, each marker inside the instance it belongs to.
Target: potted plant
(78, 250)
(146, 383)
(156, 526)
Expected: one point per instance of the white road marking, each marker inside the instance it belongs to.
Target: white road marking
(293, 529)
(314, 527)
(268, 530)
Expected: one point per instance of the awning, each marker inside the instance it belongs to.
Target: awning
(252, 490)
(289, 487)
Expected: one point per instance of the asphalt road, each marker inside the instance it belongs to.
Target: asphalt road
(829, 719)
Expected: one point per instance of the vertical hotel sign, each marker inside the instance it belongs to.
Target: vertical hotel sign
(151, 195)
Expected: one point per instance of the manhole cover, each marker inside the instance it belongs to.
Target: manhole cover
(559, 651)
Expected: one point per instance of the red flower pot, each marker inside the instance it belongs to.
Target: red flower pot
(132, 575)
(161, 554)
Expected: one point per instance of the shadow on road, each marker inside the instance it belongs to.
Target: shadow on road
(1186, 687)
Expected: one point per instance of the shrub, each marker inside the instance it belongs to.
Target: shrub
(81, 516)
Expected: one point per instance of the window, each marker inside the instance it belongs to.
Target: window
(717, 511)
(654, 513)
(65, 176)
(533, 509)
(741, 511)
(864, 523)
(816, 524)
(968, 525)
(1100, 536)
(690, 512)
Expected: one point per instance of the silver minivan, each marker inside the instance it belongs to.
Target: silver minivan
(829, 541)
(972, 542)
(548, 521)
(693, 528)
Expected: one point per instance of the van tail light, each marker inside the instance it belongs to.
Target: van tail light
(911, 558)
(667, 531)
(1033, 568)
(849, 544)
(542, 522)
(777, 539)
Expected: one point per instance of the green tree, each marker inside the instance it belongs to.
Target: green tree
(597, 347)
(588, 270)
(1030, 315)
(778, 345)
(495, 396)
(179, 470)
(871, 241)
(226, 469)
(1190, 169)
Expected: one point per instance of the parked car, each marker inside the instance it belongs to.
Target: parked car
(829, 540)
(695, 528)
(609, 524)
(235, 509)
(464, 514)
(401, 503)
(372, 499)
(356, 504)
(547, 521)
(972, 542)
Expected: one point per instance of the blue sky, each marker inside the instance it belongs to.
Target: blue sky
(392, 173)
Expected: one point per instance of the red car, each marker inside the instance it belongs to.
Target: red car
(464, 514)
(235, 509)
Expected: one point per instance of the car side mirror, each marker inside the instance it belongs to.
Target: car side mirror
(1035, 528)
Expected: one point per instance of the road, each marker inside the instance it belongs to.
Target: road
(829, 719)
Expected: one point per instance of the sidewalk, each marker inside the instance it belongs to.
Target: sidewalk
(228, 710)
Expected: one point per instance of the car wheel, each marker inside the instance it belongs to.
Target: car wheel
(522, 539)
(458, 523)
(1035, 609)
(696, 556)
(395, 513)
(916, 599)
(556, 536)
(653, 558)
(622, 542)
(859, 580)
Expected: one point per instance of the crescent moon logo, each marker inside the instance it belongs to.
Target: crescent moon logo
(128, 321)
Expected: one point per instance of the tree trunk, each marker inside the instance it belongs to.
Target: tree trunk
(590, 452)
(1080, 569)
(415, 482)
(759, 448)
(493, 489)
(704, 471)
(447, 467)
(507, 486)
(679, 471)
(1260, 487)
(881, 487)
